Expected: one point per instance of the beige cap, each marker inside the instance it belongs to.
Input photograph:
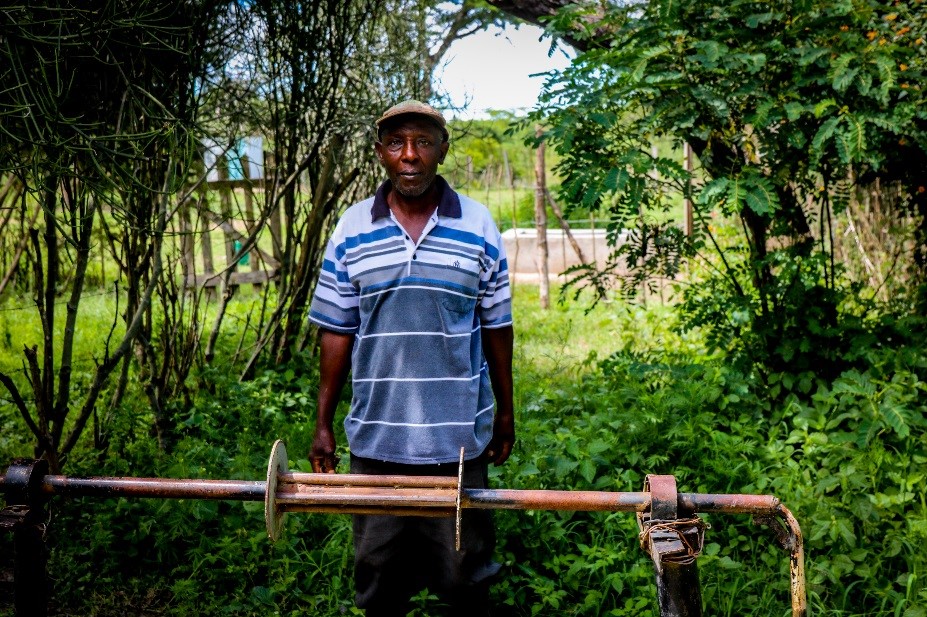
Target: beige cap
(411, 106)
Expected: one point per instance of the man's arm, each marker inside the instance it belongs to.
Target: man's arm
(334, 365)
(497, 347)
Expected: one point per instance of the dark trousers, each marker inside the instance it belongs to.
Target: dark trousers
(397, 556)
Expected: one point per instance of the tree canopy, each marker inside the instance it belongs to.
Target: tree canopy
(791, 110)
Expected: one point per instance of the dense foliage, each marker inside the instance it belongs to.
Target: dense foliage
(791, 110)
(847, 457)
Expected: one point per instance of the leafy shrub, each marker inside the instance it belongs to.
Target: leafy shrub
(846, 456)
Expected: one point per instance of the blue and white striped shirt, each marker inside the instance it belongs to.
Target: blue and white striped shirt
(421, 383)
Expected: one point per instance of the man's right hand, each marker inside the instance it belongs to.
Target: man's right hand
(334, 364)
(322, 456)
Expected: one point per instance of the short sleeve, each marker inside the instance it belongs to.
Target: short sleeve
(335, 302)
(495, 301)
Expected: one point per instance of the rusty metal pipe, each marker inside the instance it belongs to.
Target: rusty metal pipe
(796, 563)
(357, 509)
(728, 504)
(587, 501)
(241, 490)
(347, 479)
(512, 499)
(413, 496)
(367, 496)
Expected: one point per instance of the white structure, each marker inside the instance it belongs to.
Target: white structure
(521, 247)
(252, 147)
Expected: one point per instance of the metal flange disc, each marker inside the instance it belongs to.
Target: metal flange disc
(460, 471)
(277, 464)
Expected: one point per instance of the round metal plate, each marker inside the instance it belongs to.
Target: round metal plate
(277, 464)
(460, 470)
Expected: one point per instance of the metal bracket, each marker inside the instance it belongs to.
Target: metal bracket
(25, 477)
(663, 535)
(660, 542)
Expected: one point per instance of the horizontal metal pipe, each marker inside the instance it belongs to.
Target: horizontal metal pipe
(347, 479)
(242, 490)
(367, 496)
(728, 504)
(394, 511)
(511, 499)
(394, 490)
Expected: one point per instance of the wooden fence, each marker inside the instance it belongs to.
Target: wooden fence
(264, 265)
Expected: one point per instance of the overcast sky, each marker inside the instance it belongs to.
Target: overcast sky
(492, 72)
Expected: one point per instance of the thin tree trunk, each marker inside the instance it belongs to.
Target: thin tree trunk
(510, 177)
(565, 226)
(540, 222)
(20, 249)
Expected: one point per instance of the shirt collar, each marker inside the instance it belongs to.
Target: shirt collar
(448, 200)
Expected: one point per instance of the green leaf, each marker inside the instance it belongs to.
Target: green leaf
(886, 69)
(713, 192)
(611, 180)
(793, 110)
(824, 133)
(638, 72)
(563, 466)
(587, 470)
(759, 18)
(828, 483)
(603, 120)
(761, 198)
(668, 9)
(864, 83)
(856, 136)
(896, 417)
(841, 74)
(823, 106)
(753, 62)
(761, 115)
(845, 530)
(735, 193)
(708, 53)
(843, 148)
(808, 55)
(843, 80)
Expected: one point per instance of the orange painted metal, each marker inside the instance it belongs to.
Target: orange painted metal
(421, 496)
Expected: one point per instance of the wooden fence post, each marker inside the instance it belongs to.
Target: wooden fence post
(225, 209)
(253, 256)
(206, 244)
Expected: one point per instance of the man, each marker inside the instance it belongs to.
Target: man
(414, 300)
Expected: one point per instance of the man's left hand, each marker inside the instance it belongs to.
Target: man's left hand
(503, 438)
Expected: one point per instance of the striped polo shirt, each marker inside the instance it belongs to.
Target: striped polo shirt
(420, 381)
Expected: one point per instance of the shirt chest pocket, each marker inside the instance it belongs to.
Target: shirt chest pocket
(458, 304)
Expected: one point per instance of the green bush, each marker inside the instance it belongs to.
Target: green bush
(603, 398)
(847, 457)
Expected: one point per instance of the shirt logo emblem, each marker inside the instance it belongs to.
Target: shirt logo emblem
(456, 263)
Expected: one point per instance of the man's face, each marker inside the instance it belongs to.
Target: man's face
(410, 152)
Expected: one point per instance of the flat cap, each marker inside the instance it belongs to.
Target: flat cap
(413, 107)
